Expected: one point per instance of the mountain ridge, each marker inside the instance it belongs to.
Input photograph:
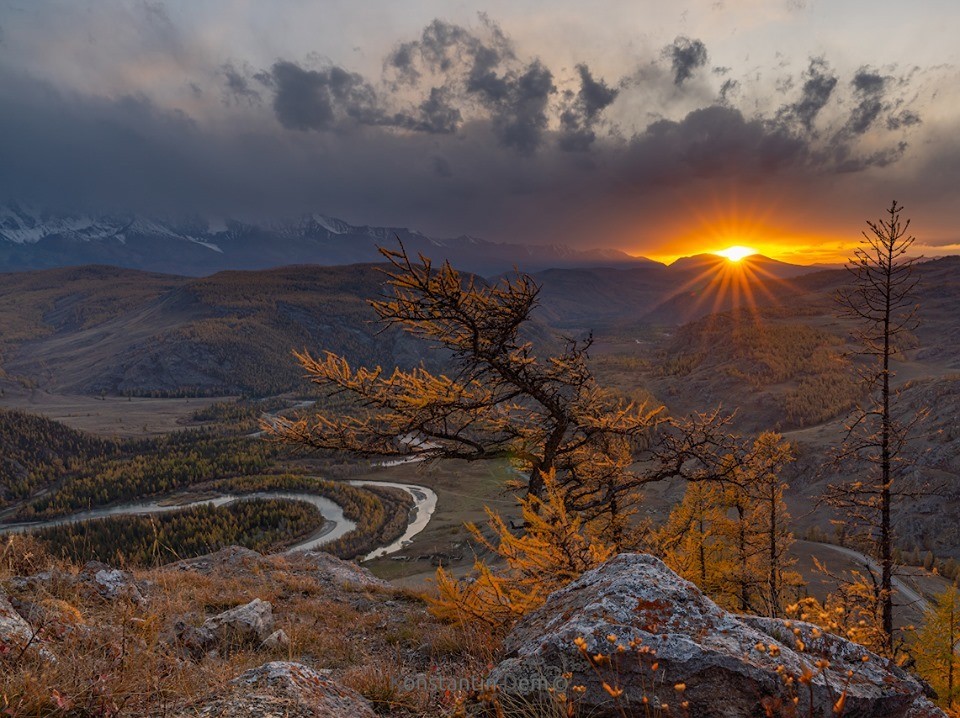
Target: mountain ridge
(34, 238)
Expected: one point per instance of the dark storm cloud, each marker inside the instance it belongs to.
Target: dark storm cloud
(321, 99)
(819, 83)
(718, 141)
(686, 57)
(582, 111)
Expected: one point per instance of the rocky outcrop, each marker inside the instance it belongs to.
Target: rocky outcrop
(330, 570)
(327, 570)
(290, 690)
(633, 632)
(232, 559)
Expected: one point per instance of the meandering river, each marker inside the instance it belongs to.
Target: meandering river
(335, 523)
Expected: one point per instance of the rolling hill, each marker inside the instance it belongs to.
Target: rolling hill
(94, 330)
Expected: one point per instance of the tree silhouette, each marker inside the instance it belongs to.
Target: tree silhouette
(880, 299)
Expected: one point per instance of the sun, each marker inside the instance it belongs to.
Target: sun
(736, 253)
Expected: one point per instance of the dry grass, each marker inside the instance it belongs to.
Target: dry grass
(117, 658)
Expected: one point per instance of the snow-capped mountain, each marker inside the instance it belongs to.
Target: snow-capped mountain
(37, 238)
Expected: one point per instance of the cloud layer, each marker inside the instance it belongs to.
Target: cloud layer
(463, 131)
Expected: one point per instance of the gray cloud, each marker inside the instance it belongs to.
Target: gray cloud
(238, 87)
(719, 141)
(906, 118)
(447, 48)
(819, 83)
(437, 113)
(480, 66)
(582, 111)
(727, 90)
(686, 57)
(519, 109)
(321, 99)
(869, 88)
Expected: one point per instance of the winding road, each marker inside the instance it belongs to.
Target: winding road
(912, 596)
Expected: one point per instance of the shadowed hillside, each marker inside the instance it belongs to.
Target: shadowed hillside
(105, 330)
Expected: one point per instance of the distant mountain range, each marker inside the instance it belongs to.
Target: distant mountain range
(32, 238)
(37, 238)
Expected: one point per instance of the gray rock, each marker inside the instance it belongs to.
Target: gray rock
(282, 690)
(730, 666)
(15, 632)
(276, 640)
(324, 568)
(244, 625)
(110, 583)
(247, 625)
(95, 578)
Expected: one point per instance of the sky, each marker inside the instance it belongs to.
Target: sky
(658, 128)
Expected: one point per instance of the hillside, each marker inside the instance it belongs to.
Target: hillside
(96, 330)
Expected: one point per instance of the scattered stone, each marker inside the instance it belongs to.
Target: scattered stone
(94, 578)
(282, 689)
(727, 666)
(110, 583)
(55, 617)
(276, 640)
(247, 625)
(15, 632)
(38, 580)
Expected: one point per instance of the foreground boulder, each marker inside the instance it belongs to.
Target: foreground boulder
(632, 633)
(283, 690)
